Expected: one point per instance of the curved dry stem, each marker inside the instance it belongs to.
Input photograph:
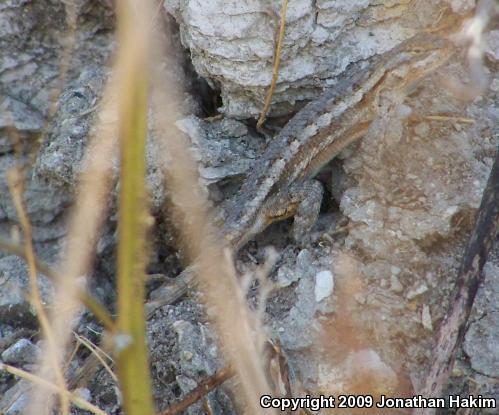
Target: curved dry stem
(84, 227)
(15, 181)
(275, 68)
(214, 271)
(98, 353)
(43, 384)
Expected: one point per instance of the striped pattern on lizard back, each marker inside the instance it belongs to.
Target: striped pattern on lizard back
(317, 133)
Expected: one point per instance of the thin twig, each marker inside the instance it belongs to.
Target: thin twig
(216, 276)
(204, 387)
(42, 383)
(85, 224)
(275, 69)
(469, 278)
(98, 352)
(463, 120)
(15, 182)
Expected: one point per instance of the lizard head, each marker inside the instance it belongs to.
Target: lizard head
(268, 214)
(422, 50)
(415, 59)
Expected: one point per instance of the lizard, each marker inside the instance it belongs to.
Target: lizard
(281, 184)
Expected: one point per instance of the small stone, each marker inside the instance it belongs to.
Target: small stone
(186, 355)
(16, 399)
(360, 298)
(492, 45)
(21, 352)
(395, 284)
(14, 282)
(422, 129)
(395, 270)
(324, 285)
(417, 291)
(426, 318)
(286, 276)
(83, 393)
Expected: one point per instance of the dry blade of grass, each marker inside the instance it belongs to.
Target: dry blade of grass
(472, 35)
(83, 231)
(201, 390)
(98, 353)
(132, 65)
(44, 385)
(15, 180)
(275, 67)
(215, 271)
(463, 120)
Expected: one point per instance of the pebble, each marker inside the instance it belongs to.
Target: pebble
(324, 285)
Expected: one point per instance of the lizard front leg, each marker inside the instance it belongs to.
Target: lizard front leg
(301, 200)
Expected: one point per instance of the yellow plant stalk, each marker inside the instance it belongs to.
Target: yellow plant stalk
(130, 344)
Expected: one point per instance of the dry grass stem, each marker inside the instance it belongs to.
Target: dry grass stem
(132, 70)
(471, 35)
(275, 68)
(98, 353)
(15, 181)
(44, 385)
(83, 231)
(463, 120)
(204, 387)
(215, 274)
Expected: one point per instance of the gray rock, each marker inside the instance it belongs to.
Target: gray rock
(60, 158)
(18, 122)
(18, 115)
(482, 345)
(198, 352)
(297, 327)
(233, 46)
(324, 285)
(492, 45)
(21, 352)
(15, 308)
(224, 147)
(16, 399)
(481, 342)
(44, 201)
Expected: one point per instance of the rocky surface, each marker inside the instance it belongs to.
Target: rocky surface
(363, 301)
(233, 46)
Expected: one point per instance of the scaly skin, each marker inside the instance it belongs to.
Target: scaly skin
(280, 185)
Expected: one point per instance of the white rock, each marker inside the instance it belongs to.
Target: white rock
(324, 284)
(415, 292)
(232, 45)
(426, 318)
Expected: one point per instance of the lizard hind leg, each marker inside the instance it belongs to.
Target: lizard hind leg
(310, 193)
(301, 200)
